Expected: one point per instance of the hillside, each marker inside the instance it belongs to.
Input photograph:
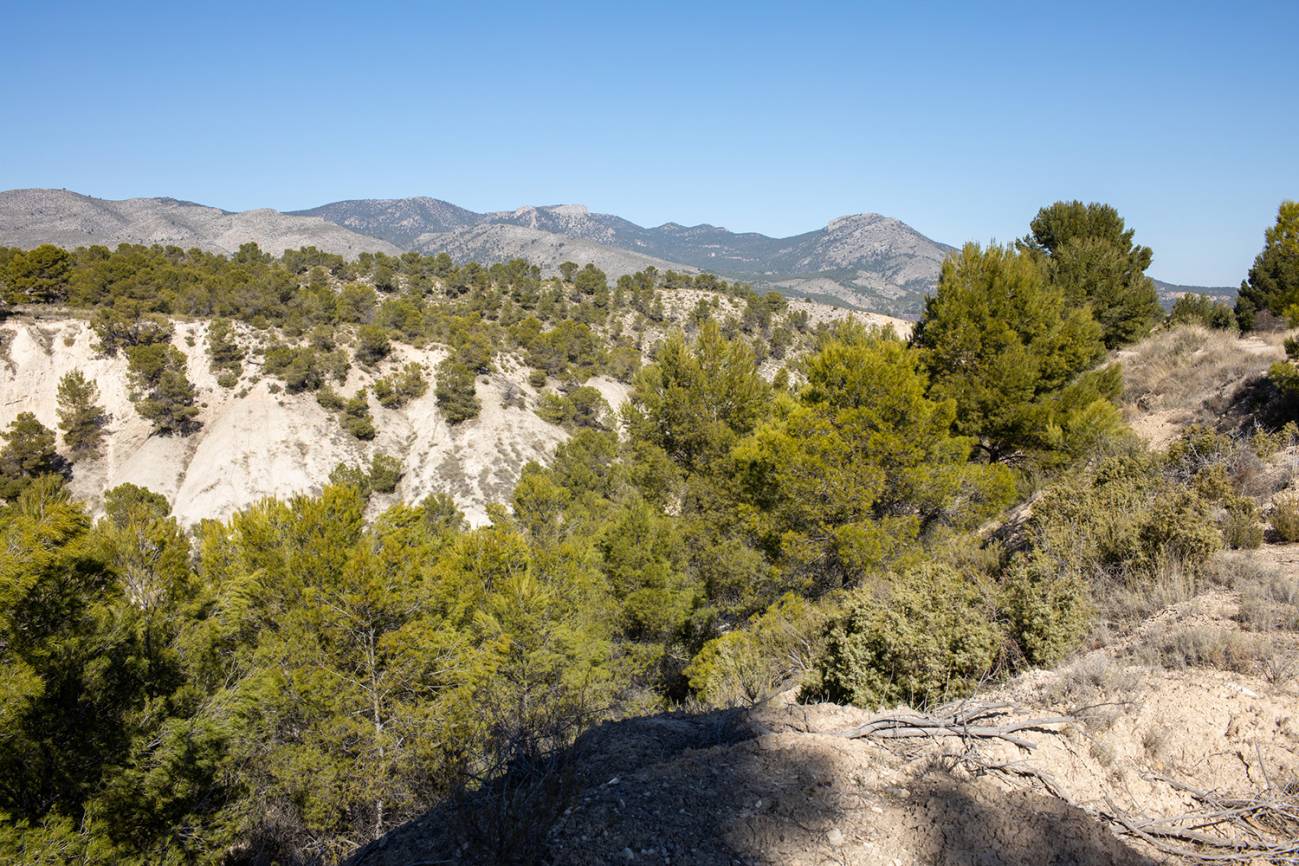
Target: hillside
(865, 261)
(1169, 738)
(29, 217)
(256, 440)
(739, 581)
(1169, 292)
(255, 443)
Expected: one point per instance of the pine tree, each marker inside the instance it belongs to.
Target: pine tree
(1091, 256)
(28, 454)
(1001, 341)
(695, 401)
(455, 392)
(1273, 284)
(160, 388)
(845, 478)
(81, 418)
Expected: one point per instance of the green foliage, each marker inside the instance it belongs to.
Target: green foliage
(1047, 608)
(400, 387)
(1091, 256)
(372, 344)
(846, 478)
(28, 454)
(385, 473)
(125, 325)
(455, 392)
(772, 650)
(225, 355)
(289, 683)
(329, 399)
(925, 636)
(1284, 518)
(1002, 342)
(1195, 309)
(81, 418)
(356, 418)
(1273, 284)
(125, 501)
(695, 401)
(38, 276)
(1122, 521)
(1178, 529)
(581, 407)
(160, 388)
(382, 476)
(304, 368)
(1241, 526)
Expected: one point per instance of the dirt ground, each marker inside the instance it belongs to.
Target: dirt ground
(777, 784)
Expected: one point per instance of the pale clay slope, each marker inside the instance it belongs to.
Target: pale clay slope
(265, 444)
(277, 444)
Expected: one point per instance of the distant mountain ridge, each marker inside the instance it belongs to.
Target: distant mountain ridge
(29, 217)
(862, 260)
(866, 261)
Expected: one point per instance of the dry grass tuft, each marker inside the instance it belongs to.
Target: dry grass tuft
(1185, 367)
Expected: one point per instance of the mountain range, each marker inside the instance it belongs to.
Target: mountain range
(867, 261)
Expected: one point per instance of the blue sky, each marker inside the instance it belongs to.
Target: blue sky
(961, 119)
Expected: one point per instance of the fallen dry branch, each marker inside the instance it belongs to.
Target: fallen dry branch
(968, 721)
(1262, 828)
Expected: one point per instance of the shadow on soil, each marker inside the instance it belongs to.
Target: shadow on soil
(704, 790)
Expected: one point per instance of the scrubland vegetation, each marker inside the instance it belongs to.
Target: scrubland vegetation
(290, 683)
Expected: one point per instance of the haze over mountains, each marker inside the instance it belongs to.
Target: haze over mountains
(867, 261)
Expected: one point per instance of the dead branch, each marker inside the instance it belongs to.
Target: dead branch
(968, 721)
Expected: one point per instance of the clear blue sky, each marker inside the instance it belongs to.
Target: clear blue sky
(961, 119)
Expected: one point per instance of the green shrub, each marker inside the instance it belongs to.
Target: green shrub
(1267, 444)
(225, 355)
(385, 473)
(304, 368)
(1241, 529)
(160, 388)
(456, 391)
(750, 663)
(1047, 609)
(1197, 309)
(537, 379)
(927, 636)
(123, 325)
(1178, 529)
(581, 407)
(372, 344)
(1285, 518)
(399, 388)
(351, 476)
(81, 418)
(330, 399)
(28, 453)
(356, 417)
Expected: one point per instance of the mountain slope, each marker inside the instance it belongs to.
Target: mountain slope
(29, 217)
(399, 221)
(866, 261)
(495, 242)
(863, 260)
